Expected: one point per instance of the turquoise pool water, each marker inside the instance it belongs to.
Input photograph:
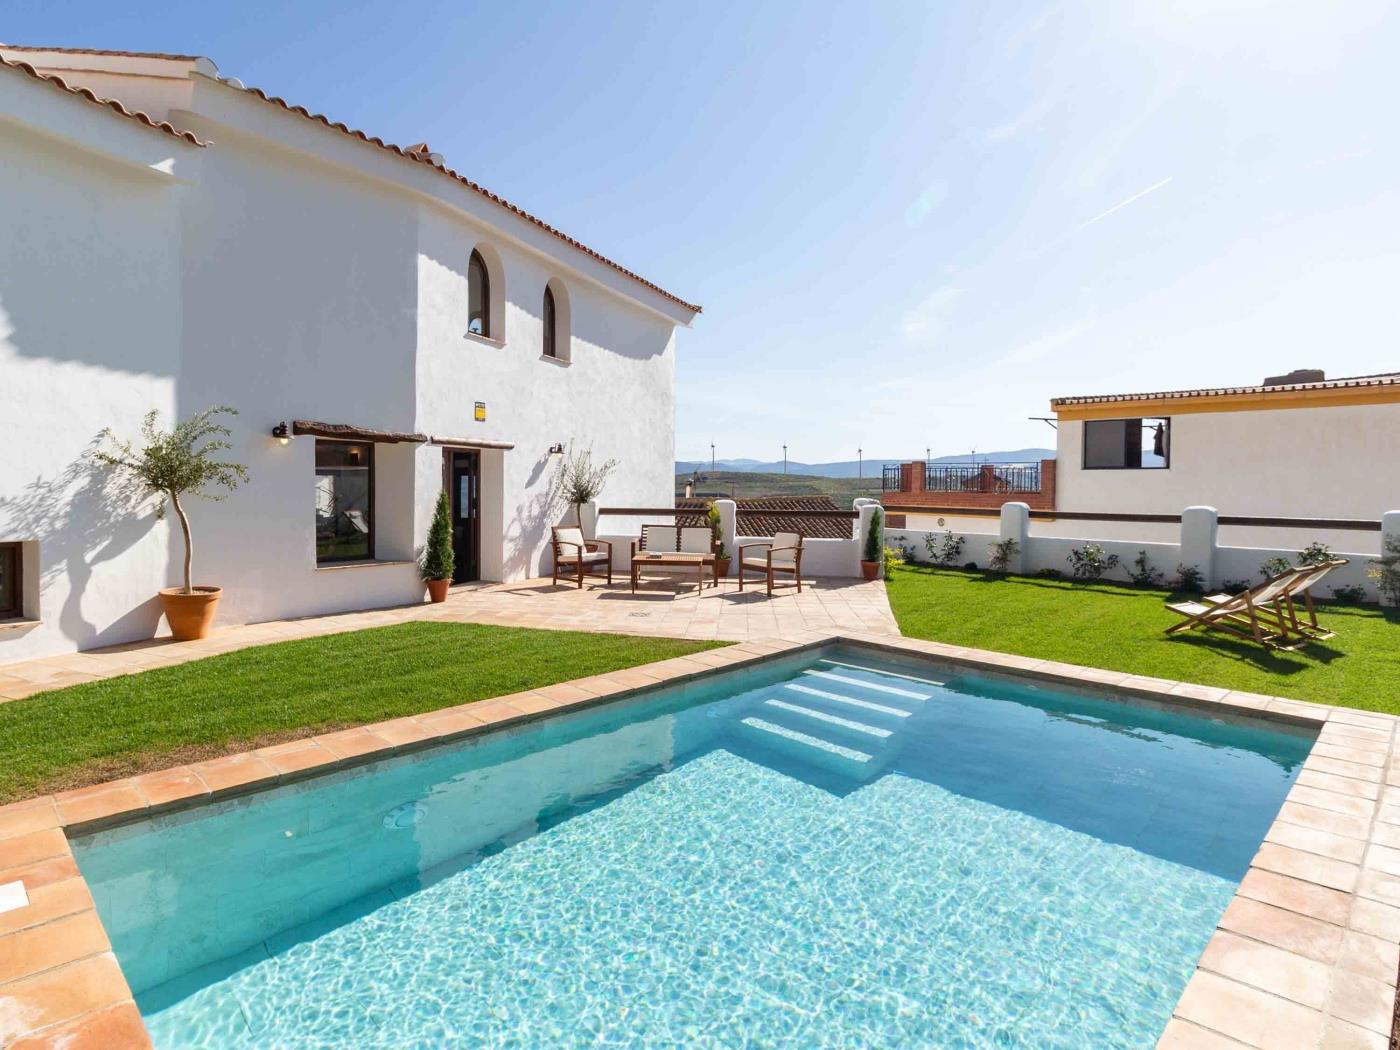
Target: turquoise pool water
(831, 852)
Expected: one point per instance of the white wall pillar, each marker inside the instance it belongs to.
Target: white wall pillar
(1016, 525)
(1199, 534)
(1390, 531)
(729, 531)
(866, 511)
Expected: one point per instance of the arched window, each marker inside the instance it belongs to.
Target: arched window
(551, 325)
(478, 297)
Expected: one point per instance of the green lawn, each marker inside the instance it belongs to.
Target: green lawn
(1121, 628)
(89, 733)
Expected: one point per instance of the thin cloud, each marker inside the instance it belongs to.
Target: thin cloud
(1032, 114)
(1124, 203)
(934, 194)
(926, 321)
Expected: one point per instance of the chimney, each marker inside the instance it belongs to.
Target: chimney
(1298, 375)
(690, 489)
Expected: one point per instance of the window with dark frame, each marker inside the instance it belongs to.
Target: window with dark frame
(11, 582)
(344, 501)
(550, 325)
(478, 296)
(1127, 444)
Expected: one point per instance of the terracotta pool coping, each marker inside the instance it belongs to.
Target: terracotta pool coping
(1305, 956)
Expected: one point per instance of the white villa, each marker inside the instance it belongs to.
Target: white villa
(384, 326)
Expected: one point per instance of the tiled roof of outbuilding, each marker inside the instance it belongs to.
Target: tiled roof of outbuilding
(752, 521)
(1344, 382)
(107, 103)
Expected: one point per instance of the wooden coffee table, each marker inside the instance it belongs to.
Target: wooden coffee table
(674, 560)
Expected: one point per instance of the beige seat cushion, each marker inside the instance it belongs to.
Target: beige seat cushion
(785, 539)
(659, 539)
(588, 556)
(570, 540)
(696, 539)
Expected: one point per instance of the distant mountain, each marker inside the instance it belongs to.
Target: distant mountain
(852, 468)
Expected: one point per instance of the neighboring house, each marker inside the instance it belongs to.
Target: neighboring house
(199, 243)
(1296, 446)
(752, 517)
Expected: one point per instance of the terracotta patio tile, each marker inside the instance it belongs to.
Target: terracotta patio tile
(1324, 820)
(70, 991)
(117, 1027)
(102, 802)
(22, 818)
(1357, 755)
(40, 872)
(1377, 919)
(168, 788)
(450, 723)
(1316, 778)
(1310, 867)
(1378, 886)
(401, 732)
(1274, 970)
(37, 845)
(1302, 934)
(1364, 1002)
(1355, 770)
(491, 712)
(1343, 1035)
(354, 743)
(1372, 957)
(57, 943)
(566, 693)
(1323, 843)
(46, 902)
(1305, 898)
(234, 774)
(1332, 801)
(1383, 858)
(297, 757)
(1183, 1035)
(529, 702)
(1247, 1014)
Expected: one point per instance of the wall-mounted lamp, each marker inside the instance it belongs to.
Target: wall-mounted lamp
(556, 449)
(281, 433)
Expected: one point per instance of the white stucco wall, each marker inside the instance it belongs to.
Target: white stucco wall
(88, 273)
(291, 272)
(1335, 462)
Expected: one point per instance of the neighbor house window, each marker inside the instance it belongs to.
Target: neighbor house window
(11, 589)
(551, 326)
(344, 501)
(478, 296)
(1127, 444)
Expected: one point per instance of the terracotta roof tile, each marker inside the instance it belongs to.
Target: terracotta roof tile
(1380, 379)
(420, 156)
(97, 51)
(752, 521)
(107, 103)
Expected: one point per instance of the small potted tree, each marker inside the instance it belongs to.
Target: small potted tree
(171, 466)
(716, 532)
(874, 546)
(578, 482)
(439, 561)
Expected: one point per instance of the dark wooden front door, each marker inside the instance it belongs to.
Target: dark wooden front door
(464, 485)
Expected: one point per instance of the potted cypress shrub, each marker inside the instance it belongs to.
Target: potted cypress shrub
(173, 465)
(721, 555)
(439, 561)
(874, 546)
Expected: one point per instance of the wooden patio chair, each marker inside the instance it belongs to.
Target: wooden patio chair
(1257, 614)
(577, 556)
(1307, 624)
(784, 556)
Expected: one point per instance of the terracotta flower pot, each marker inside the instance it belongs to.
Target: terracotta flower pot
(722, 567)
(437, 590)
(190, 615)
(870, 569)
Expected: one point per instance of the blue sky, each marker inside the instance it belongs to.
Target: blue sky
(910, 225)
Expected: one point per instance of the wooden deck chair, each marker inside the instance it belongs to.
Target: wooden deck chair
(575, 556)
(1303, 589)
(784, 556)
(1255, 614)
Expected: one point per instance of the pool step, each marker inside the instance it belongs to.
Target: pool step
(874, 712)
(809, 749)
(837, 728)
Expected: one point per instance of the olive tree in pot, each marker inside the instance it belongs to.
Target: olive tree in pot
(172, 465)
(579, 481)
(439, 561)
(874, 545)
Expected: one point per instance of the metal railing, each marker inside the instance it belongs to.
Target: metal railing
(971, 477)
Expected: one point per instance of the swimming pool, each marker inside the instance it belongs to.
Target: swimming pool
(836, 849)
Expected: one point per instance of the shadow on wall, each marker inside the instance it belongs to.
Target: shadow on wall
(82, 518)
(527, 532)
